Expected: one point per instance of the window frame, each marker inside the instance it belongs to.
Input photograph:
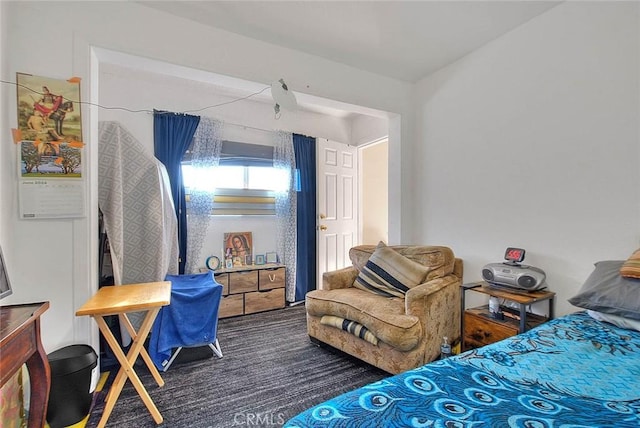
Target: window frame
(244, 200)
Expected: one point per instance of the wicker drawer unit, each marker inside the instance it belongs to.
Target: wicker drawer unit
(223, 279)
(263, 300)
(231, 305)
(271, 278)
(251, 289)
(243, 282)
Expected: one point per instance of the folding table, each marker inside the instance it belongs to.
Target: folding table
(120, 300)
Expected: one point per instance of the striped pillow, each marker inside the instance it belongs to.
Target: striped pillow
(631, 268)
(349, 326)
(389, 273)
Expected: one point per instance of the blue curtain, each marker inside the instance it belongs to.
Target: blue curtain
(305, 153)
(172, 136)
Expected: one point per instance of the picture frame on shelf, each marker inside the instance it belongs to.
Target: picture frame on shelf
(238, 245)
(259, 259)
(228, 263)
(271, 257)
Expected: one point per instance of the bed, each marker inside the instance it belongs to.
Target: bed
(573, 371)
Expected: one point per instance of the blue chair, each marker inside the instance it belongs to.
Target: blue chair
(191, 319)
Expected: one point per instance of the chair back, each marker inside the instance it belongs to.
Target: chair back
(440, 259)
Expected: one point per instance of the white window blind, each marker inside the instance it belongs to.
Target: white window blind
(244, 183)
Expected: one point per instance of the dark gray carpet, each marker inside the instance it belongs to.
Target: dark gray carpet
(269, 373)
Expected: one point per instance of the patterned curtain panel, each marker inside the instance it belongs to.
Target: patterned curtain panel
(205, 154)
(286, 209)
(135, 199)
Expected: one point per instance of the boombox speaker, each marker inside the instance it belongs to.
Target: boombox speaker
(516, 276)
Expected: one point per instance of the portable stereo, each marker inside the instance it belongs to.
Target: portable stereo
(514, 275)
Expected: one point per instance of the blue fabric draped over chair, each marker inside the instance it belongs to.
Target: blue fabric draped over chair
(191, 319)
(172, 136)
(305, 152)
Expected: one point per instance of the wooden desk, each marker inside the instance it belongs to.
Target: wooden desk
(20, 343)
(120, 300)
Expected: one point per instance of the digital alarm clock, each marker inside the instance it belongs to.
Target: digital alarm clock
(514, 255)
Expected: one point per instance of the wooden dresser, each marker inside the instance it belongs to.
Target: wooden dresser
(251, 289)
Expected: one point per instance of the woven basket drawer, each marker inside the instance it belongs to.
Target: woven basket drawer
(272, 278)
(223, 279)
(231, 305)
(243, 282)
(264, 300)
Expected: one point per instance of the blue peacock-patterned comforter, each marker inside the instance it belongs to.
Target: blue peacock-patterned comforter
(570, 372)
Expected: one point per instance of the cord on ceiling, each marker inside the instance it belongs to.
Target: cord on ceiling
(141, 110)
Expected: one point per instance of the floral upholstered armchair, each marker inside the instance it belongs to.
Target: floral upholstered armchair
(392, 308)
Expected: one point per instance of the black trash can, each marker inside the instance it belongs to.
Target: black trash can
(69, 397)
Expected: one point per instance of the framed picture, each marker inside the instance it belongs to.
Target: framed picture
(259, 259)
(238, 245)
(228, 263)
(272, 257)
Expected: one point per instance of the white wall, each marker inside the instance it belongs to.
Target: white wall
(147, 90)
(533, 141)
(57, 260)
(366, 129)
(46, 260)
(4, 121)
(374, 215)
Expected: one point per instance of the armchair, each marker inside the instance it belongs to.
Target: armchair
(392, 332)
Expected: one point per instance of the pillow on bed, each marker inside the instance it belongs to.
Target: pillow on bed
(621, 322)
(631, 268)
(389, 273)
(606, 291)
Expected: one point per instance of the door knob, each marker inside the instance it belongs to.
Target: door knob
(322, 216)
(323, 227)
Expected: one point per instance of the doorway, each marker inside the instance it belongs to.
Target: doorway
(337, 171)
(374, 192)
(352, 200)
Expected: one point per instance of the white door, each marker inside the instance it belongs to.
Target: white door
(337, 204)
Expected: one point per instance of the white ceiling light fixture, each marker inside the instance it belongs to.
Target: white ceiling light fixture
(283, 97)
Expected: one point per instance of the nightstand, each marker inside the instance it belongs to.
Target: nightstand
(480, 328)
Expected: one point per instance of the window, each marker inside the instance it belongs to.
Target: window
(245, 182)
(233, 177)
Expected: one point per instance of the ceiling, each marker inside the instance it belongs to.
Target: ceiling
(405, 40)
